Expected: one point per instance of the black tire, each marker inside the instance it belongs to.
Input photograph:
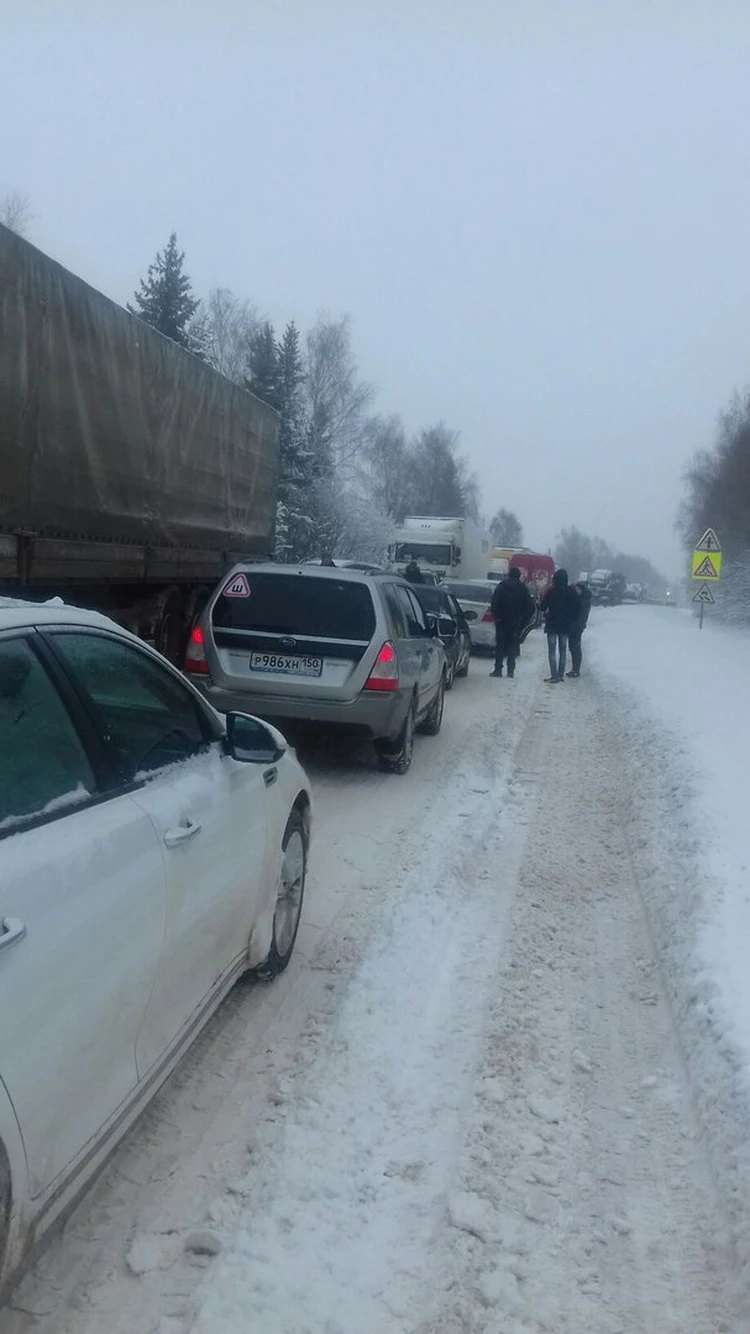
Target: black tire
(282, 940)
(394, 757)
(434, 720)
(450, 675)
(464, 671)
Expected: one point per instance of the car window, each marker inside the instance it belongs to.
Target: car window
(473, 592)
(416, 626)
(395, 610)
(429, 597)
(455, 611)
(42, 759)
(295, 604)
(419, 616)
(147, 718)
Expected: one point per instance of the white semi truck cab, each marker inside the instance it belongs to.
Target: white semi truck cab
(449, 548)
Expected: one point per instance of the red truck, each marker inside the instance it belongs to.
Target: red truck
(536, 571)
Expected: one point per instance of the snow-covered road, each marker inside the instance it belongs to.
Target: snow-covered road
(470, 1106)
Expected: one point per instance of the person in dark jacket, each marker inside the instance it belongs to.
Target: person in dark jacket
(413, 573)
(560, 607)
(578, 627)
(512, 607)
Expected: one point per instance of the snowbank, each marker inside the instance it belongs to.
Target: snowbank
(685, 742)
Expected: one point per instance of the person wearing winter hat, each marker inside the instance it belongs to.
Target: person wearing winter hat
(512, 607)
(560, 607)
(578, 627)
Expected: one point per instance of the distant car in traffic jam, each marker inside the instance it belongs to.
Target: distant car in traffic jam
(151, 853)
(333, 647)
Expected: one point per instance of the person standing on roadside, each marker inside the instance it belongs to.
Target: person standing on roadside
(578, 627)
(512, 607)
(560, 607)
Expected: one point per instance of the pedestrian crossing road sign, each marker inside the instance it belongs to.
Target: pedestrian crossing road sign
(708, 542)
(703, 594)
(706, 566)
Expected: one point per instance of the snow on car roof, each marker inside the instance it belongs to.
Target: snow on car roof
(16, 612)
(305, 571)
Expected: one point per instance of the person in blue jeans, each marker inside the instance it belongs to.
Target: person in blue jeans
(560, 607)
(576, 630)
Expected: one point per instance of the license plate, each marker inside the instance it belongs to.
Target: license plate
(285, 664)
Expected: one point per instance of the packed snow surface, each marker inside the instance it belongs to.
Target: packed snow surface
(695, 685)
(500, 1088)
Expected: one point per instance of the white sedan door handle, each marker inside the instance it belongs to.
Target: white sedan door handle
(173, 837)
(12, 929)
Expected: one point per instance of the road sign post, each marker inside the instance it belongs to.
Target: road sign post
(706, 568)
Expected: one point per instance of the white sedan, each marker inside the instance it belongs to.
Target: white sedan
(474, 597)
(150, 853)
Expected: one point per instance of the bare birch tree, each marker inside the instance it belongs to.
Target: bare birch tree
(15, 212)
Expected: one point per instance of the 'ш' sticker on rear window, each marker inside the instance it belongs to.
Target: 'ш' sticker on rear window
(237, 587)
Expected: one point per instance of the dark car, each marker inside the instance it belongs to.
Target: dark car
(438, 602)
(326, 646)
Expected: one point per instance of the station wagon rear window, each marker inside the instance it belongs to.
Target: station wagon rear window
(293, 604)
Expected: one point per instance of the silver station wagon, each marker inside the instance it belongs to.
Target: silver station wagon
(328, 646)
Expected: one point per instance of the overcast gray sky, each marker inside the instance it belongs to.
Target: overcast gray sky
(537, 213)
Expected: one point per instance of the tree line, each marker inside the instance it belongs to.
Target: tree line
(717, 495)
(346, 474)
(578, 553)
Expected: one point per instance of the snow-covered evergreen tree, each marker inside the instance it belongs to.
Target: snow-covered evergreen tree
(165, 299)
(263, 380)
(295, 519)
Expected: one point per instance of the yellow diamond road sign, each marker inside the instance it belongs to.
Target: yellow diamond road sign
(706, 566)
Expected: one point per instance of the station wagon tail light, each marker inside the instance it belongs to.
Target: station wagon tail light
(384, 675)
(195, 658)
(488, 615)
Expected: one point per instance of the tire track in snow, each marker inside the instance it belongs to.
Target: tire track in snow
(347, 1213)
(584, 1199)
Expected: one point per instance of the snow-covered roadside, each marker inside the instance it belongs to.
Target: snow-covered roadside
(583, 1197)
(684, 748)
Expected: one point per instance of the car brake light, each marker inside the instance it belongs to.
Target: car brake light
(384, 675)
(488, 615)
(195, 658)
